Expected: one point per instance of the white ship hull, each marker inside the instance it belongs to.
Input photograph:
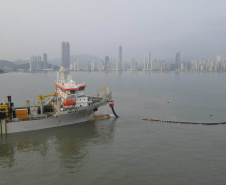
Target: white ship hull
(62, 120)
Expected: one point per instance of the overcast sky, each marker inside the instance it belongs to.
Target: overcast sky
(196, 28)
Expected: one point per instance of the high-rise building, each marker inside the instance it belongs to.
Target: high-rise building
(120, 58)
(178, 60)
(89, 65)
(92, 65)
(77, 65)
(66, 55)
(218, 58)
(224, 64)
(35, 63)
(45, 65)
(219, 63)
(133, 65)
(186, 64)
(100, 66)
(145, 63)
(149, 60)
(107, 63)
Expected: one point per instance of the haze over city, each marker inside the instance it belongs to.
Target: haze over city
(98, 27)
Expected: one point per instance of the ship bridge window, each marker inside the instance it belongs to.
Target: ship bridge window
(73, 91)
(81, 88)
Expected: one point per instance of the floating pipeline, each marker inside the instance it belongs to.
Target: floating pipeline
(184, 122)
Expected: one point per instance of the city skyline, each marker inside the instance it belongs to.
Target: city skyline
(65, 53)
(195, 28)
(117, 63)
(216, 64)
(65, 57)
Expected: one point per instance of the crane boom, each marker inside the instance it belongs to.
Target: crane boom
(105, 89)
(40, 97)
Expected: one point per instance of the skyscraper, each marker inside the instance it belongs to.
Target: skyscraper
(89, 65)
(66, 55)
(45, 61)
(149, 60)
(120, 58)
(107, 63)
(178, 60)
(35, 63)
(186, 64)
(218, 58)
(145, 63)
(77, 65)
(133, 65)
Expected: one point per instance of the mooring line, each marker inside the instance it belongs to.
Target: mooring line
(184, 122)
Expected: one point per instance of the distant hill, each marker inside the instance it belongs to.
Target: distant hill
(22, 64)
(6, 63)
(27, 67)
(19, 62)
(83, 60)
(55, 67)
(1, 71)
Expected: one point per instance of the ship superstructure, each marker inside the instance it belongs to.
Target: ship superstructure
(71, 93)
(67, 105)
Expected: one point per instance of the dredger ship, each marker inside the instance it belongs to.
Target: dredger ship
(67, 105)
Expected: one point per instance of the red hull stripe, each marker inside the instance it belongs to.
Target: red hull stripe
(82, 85)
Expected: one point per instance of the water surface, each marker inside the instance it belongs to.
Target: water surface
(126, 150)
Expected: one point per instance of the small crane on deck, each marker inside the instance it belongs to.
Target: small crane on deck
(105, 89)
(41, 98)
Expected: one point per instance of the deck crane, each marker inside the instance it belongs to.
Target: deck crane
(105, 89)
(41, 98)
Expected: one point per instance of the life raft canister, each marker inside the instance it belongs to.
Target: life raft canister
(68, 103)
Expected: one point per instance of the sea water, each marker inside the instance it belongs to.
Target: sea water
(126, 150)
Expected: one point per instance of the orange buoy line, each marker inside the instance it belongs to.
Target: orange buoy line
(184, 122)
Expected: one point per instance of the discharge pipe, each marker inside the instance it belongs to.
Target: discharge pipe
(112, 108)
